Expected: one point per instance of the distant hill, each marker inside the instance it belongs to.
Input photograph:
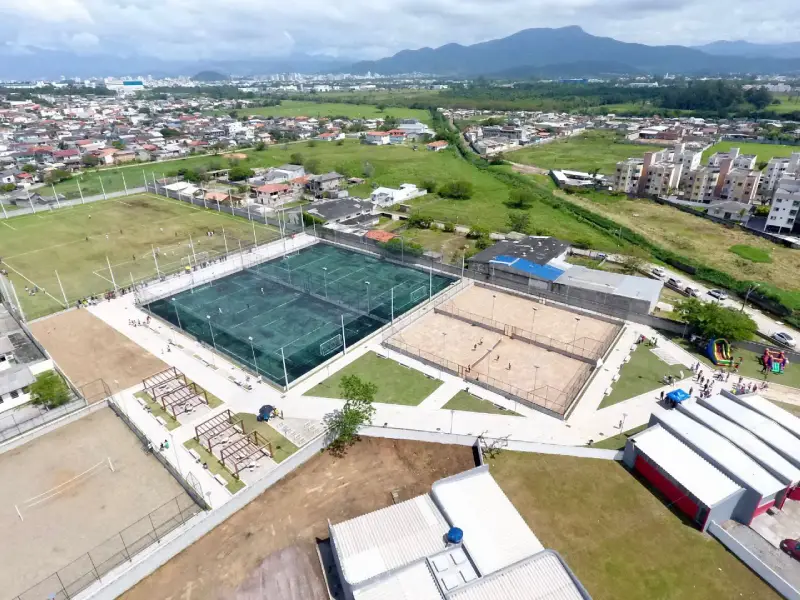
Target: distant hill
(748, 49)
(538, 48)
(573, 70)
(210, 76)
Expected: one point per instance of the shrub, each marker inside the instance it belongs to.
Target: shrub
(429, 185)
(457, 190)
(420, 221)
(483, 243)
(449, 227)
(49, 390)
(296, 159)
(399, 246)
(240, 173)
(477, 232)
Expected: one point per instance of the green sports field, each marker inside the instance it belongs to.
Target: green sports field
(81, 241)
(294, 108)
(763, 151)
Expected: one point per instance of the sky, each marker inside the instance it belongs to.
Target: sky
(240, 29)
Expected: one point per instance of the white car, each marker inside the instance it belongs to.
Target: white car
(784, 338)
(692, 291)
(658, 272)
(718, 294)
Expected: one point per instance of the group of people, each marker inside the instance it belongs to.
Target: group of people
(139, 323)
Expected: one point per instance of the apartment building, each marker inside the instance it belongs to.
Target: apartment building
(738, 160)
(660, 179)
(626, 177)
(777, 168)
(740, 185)
(785, 205)
(700, 184)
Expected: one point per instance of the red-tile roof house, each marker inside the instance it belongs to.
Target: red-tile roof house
(274, 194)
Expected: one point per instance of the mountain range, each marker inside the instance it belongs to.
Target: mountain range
(570, 51)
(748, 49)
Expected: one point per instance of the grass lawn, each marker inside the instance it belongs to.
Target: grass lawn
(757, 255)
(787, 103)
(158, 411)
(692, 236)
(591, 150)
(763, 151)
(619, 537)
(617, 442)
(281, 447)
(78, 241)
(642, 373)
(452, 245)
(215, 466)
(465, 401)
(295, 108)
(396, 384)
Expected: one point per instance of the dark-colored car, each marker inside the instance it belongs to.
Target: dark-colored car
(791, 547)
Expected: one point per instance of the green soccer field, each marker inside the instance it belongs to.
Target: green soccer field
(80, 242)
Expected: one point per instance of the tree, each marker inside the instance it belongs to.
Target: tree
(311, 165)
(521, 199)
(713, 320)
(56, 176)
(420, 221)
(90, 160)
(633, 263)
(358, 410)
(296, 159)
(477, 232)
(519, 221)
(260, 146)
(311, 143)
(429, 185)
(240, 173)
(458, 190)
(233, 114)
(368, 170)
(168, 132)
(8, 187)
(29, 168)
(49, 390)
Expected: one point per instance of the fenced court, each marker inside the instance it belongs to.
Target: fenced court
(56, 258)
(284, 317)
(76, 502)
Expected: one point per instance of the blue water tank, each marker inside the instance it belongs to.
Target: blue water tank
(455, 535)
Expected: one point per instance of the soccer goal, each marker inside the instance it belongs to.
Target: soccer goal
(331, 346)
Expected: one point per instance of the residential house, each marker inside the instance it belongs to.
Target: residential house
(284, 173)
(785, 205)
(626, 177)
(777, 168)
(377, 138)
(124, 156)
(730, 211)
(106, 155)
(7, 177)
(384, 196)
(437, 146)
(397, 136)
(319, 185)
(72, 156)
(738, 160)
(337, 211)
(274, 194)
(330, 136)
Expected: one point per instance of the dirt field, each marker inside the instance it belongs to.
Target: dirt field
(87, 511)
(293, 513)
(547, 320)
(470, 345)
(87, 349)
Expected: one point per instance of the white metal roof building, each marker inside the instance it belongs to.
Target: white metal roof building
(687, 480)
(389, 538)
(414, 582)
(772, 411)
(761, 452)
(767, 430)
(495, 534)
(720, 452)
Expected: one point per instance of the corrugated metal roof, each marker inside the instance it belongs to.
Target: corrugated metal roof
(495, 534)
(542, 577)
(703, 480)
(760, 451)
(15, 379)
(765, 429)
(772, 411)
(727, 457)
(389, 538)
(414, 582)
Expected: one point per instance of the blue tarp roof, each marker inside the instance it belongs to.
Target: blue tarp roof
(545, 272)
(678, 396)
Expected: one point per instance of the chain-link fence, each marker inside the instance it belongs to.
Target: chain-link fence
(121, 547)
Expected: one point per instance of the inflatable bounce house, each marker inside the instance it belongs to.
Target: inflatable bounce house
(774, 360)
(719, 351)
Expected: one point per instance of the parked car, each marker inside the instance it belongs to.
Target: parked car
(718, 294)
(658, 272)
(674, 282)
(791, 547)
(784, 338)
(692, 291)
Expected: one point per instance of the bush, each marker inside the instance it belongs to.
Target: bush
(457, 190)
(239, 173)
(311, 165)
(519, 221)
(521, 199)
(310, 220)
(400, 247)
(429, 185)
(8, 187)
(449, 227)
(483, 243)
(477, 232)
(420, 221)
(311, 143)
(296, 159)
(49, 390)
(340, 142)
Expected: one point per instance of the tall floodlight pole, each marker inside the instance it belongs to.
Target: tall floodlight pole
(285, 374)
(494, 297)
(533, 319)
(213, 341)
(177, 314)
(248, 212)
(225, 239)
(114, 281)
(102, 187)
(55, 195)
(367, 282)
(33, 208)
(144, 175)
(125, 185)
(392, 304)
(463, 260)
(66, 302)
(5, 214)
(19, 306)
(344, 338)
(575, 337)
(430, 280)
(325, 276)
(241, 253)
(255, 240)
(155, 259)
(194, 256)
(253, 350)
(80, 191)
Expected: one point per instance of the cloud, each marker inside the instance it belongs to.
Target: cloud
(241, 29)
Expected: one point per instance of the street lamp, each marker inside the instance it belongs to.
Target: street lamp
(175, 305)
(494, 297)
(213, 341)
(533, 320)
(325, 275)
(575, 337)
(367, 282)
(253, 350)
(747, 295)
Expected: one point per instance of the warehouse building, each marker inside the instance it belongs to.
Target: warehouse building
(762, 490)
(463, 541)
(769, 459)
(688, 481)
(767, 430)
